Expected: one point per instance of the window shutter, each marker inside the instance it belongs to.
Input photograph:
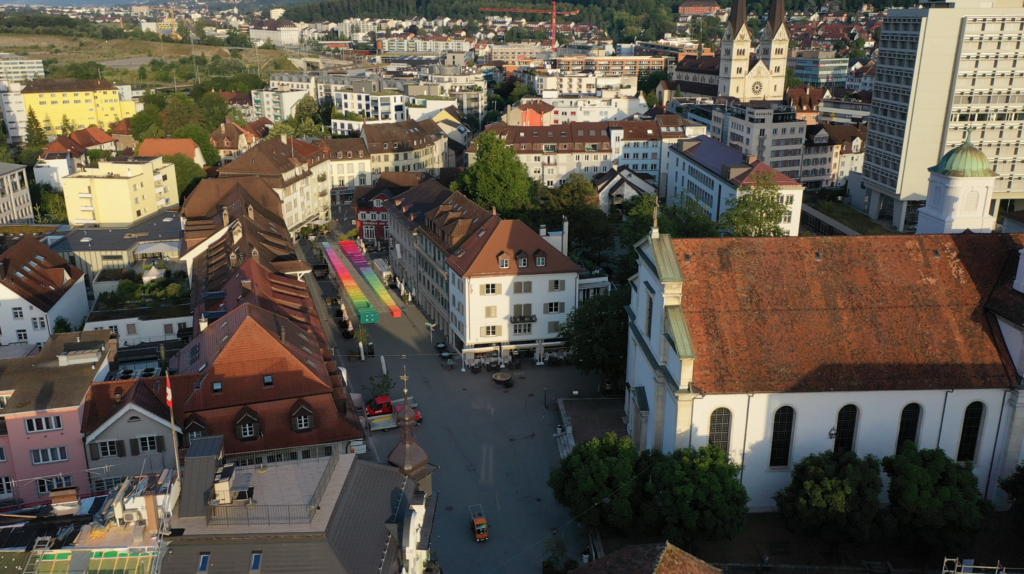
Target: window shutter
(483, 289)
(528, 287)
(517, 310)
(528, 309)
(498, 332)
(160, 443)
(238, 431)
(295, 423)
(517, 287)
(94, 451)
(135, 446)
(561, 307)
(551, 284)
(120, 448)
(312, 421)
(256, 430)
(552, 326)
(483, 331)
(497, 288)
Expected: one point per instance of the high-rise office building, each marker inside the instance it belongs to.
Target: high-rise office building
(944, 68)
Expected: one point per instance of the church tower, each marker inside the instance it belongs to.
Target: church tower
(735, 53)
(773, 50)
(408, 455)
(959, 193)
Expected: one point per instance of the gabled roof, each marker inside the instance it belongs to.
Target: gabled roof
(91, 136)
(105, 400)
(714, 155)
(45, 85)
(275, 157)
(36, 273)
(400, 136)
(168, 146)
(64, 144)
(480, 252)
(229, 135)
(887, 312)
(260, 127)
(409, 207)
(122, 128)
(348, 148)
(40, 382)
(806, 98)
(699, 64)
(454, 220)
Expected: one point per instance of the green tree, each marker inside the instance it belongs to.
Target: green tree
(688, 219)
(142, 121)
(50, 207)
(691, 494)
(757, 211)
(142, 72)
(1013, 486)
(95, 155)
(596, 482)
(184, 30)
(791, 80)
(187, 173)
(181, 111)
(66, 126)
(36, 137)
(933, 499)
(639, 212)
(29, 156)
(308, 128)
(519, 90)
(201, 136)
(650, 98)
(5, 154)
(649, 82)
(595, 333)
(307, 107)
(833, 496)
(280, 128)
(578, 191)
(497, 178)
(380, 386)
(61, 325)
(215, 107)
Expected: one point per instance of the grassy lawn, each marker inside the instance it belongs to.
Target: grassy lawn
(850, 217)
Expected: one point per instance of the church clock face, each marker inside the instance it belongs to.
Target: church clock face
(756, 88)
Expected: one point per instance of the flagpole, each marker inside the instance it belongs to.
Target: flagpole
(170, 406)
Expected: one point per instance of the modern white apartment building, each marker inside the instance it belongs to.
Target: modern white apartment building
(429, 44)
(593, 83)
(612, 65)
(15, 202)
(712, 173)
(15, 114)
(278, 32)
(944, 68)
(510, 289)
(519, 51)
(277, 104)
(19, 68)
(586, 108)
(119, 192)
(769, 131)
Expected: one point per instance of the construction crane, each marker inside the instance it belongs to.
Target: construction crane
(554, 14)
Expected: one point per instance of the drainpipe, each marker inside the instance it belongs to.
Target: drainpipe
(942, 417)
(743, 455)
(693, 405)
(995, 444)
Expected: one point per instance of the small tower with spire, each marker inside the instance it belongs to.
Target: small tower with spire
(408, 455)
(959, 192)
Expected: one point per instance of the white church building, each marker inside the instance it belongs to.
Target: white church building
(777, 348)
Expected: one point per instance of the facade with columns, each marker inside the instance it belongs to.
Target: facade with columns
(777, 348)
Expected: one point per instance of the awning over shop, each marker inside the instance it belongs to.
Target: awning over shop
(157, 247)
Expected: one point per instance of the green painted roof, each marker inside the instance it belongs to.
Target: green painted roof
(964, 161)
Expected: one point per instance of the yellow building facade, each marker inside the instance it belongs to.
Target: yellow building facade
(84, 102)
(121, 191)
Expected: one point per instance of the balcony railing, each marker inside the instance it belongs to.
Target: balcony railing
(524, 319)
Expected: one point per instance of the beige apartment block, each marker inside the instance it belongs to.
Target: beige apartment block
(943, 68)
(119, 192)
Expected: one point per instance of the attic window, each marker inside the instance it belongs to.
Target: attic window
(503, 263)
(33, 264)
(268, 381)
(218, 387)
(40, 257)
(134, 419)
(523, 262)
(193, 354)
(18, 273)
(311, 363)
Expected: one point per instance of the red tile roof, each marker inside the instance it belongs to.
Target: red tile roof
(168, 146)
(64, 144)
(844, 313)
(496, 237)
(91, 136)
(106, 399)
(663, 558)
(36, 273)
(122, 128)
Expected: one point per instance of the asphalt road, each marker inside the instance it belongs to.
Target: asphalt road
(493, 446)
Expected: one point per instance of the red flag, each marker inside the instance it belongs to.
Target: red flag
(169, 392)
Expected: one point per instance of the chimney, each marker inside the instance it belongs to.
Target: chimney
(494, 210)
(236, 234)
(749, 159)
(565, 235)
(284, 138)
(282, 334)
(1018, 281)
(246, 285)
(543, 230)
(224, 217)
(203, 323)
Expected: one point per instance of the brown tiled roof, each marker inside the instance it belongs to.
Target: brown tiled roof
(122, 128)
(845, 313)
(102, 402)
(64, 144)
(36, 273)
(844, 134)
(481, 251)
(538, 106)
(44, 85)
(274, 157)
(400, 136)
(347, 148)
(260, 127)
(229, 134)
(805, 98)
(663, 558)
(168, 146)
(454, 220)
(699, 64)
(409, 207)
(91, 136)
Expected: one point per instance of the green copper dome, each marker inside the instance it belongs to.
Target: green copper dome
(964, 161)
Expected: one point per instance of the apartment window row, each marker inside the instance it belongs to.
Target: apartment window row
(844, 432)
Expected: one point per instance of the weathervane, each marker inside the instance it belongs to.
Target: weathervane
(405, 382)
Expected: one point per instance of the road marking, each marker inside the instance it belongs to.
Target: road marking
(496, 501)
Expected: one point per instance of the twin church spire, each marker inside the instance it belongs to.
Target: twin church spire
(745, 75)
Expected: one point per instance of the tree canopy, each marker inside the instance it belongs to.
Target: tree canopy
(187, 173)
(595, 482)
(181, 111)
(757, 211)
(595, 333)
(201, 136)
(497, 178)
(833, 497)
(933, 499)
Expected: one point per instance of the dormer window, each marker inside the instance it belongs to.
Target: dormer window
(218, 387)
(247, 425)
(541, 261)
(523, 262)
(268, 381)
(503, 263)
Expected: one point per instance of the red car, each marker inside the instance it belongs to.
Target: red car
(382, 406)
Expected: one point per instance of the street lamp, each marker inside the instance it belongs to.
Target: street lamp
(430, 327)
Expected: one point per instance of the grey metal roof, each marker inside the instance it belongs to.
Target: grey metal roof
(6, 168)
(40, 383)
(201, 460)
(205, 446)
(161, 226)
